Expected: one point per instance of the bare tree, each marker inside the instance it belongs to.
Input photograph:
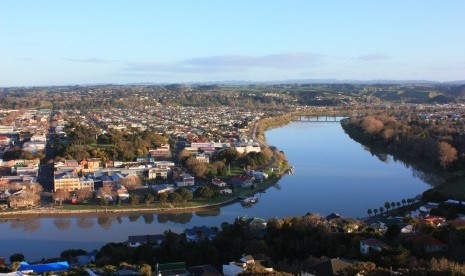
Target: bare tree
(60, 195)
(83, 194)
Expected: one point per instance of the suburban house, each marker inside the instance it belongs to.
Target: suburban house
(163, 188)
(328, 267)
(136, 241)
(236, 267)
(185, 180)
(161, 151)
(428, 244)
(241, 181)
(122, 192)
(107, 181)
(158, 172)
(197, 233)
(259, 176)
(202, 158)
(370, 245)
(218, 183)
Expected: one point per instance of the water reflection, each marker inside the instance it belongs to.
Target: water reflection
(62, 223)
(25, 224)
(105, 222)
(181, 218)
(133, 217)
(85, 222)
(148, 218)
(213, 212)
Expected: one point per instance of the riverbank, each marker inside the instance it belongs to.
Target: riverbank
(446, 182)
(191, 206)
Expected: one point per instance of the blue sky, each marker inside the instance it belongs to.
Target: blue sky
(98, 41)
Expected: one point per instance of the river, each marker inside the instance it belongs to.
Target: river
(333, 173)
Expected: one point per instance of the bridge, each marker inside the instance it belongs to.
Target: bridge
(321, 119)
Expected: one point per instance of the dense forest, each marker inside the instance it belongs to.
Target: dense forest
(432, 145)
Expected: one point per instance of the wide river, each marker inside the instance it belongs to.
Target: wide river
(332, 174)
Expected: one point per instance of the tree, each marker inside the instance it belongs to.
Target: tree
(185, 194)
(148, 198)
(205, 192)
(163, 198)
(130, 182)
(146, 270)
(133, 199)
(229, 155)
(375, 211)
(17, 257)
(398, 204)
(83, 194)
(381, 210)
(175, 197)
(15, 266)
(387, 205)
(393, 205)
(404, 202)
(60, 195)
(183, 155)
(447, 154)
(372, 125)
(369, 211)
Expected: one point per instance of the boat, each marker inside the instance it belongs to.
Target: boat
(250, 200)
(291, 170)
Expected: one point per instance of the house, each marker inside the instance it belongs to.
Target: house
(370, 245)
(218, 183)
(259, 176)
(185, 180)
(428, 244)
(435, 220)
(236, 267)
(196, 233)
(172, 269)
(4, 140)
(136, 241)
(329, 267)
(163, 188)
(202, 158)
(122, 192)
(107, 181)
(257, 227)
(407, 229)
(242, 181)
(158, 172)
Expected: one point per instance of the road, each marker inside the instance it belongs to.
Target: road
(45, 174)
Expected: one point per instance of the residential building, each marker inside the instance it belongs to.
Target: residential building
(328, 267)
(136, 241)
(185, 180)
(370, 245)
(69, 181)
(196, 233)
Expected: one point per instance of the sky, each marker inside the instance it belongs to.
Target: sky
(134, 41)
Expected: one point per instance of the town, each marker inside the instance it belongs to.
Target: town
(200, 147)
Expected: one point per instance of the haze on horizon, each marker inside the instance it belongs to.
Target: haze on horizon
(80, 42)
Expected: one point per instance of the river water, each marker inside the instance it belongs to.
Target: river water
(332, 174)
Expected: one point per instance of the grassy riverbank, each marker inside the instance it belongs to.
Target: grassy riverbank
(156, 207)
